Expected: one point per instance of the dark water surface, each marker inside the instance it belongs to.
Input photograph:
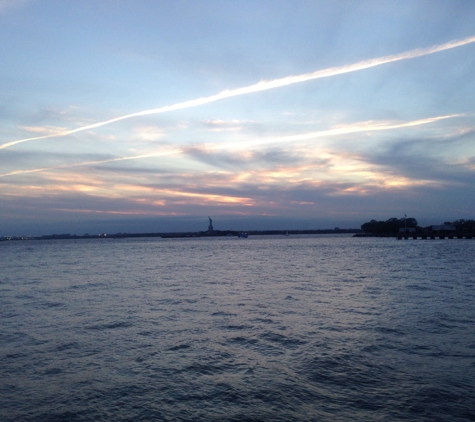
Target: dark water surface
(266, 328)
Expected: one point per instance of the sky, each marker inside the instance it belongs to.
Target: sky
(150, 116)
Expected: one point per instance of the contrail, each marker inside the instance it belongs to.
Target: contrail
(266, 85)
(89, 163)
(354, 128)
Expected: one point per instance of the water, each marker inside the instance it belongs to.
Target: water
(223, 329)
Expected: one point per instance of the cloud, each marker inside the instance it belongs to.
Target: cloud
(426, 159)
(244, 159)
(218, 125)
(232, 193)
(267, 85)
(95, 162)
(149, 133)
(43, 129)
(341, 130)
(199, 151)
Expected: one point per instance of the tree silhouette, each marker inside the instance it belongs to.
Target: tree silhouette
(390, 226)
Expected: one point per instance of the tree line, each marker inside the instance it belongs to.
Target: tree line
(390, 226)
(393, 225)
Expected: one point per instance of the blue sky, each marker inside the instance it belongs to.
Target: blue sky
(337, 150)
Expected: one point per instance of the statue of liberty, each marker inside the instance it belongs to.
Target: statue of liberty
(210, 227)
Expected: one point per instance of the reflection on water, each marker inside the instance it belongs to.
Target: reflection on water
(276, 328)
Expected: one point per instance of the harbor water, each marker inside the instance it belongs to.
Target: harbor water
(303, 328)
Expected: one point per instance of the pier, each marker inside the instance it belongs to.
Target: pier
(433, 236)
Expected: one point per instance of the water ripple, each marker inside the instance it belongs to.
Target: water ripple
(296, 328)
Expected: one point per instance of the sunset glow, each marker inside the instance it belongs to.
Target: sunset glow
(323, 125)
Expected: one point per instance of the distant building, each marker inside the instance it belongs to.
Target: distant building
(407, 230)
(442, 227)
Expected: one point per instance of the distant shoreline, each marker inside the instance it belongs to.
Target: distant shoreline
(177, 235)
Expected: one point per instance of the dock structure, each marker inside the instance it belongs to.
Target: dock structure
(433, 236)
